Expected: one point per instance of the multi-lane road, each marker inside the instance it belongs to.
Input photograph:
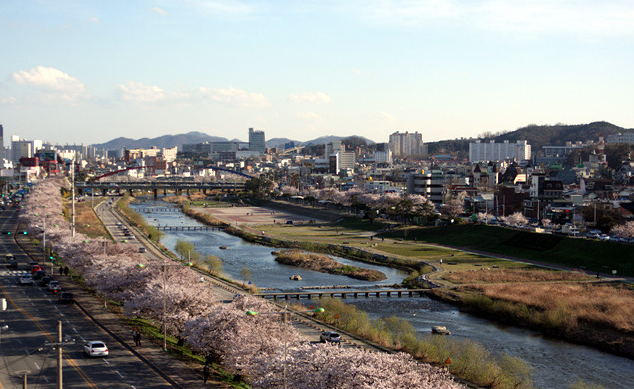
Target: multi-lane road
(32, 317)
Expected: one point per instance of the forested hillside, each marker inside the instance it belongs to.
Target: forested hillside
(537, 136)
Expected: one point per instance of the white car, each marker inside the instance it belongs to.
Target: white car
(53, 284)
(330, 336)
(96, 349)
(26, 279)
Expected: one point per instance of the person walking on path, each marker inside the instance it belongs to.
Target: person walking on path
(205, 373)
(61, 270)
(66, 270)
(137, 338)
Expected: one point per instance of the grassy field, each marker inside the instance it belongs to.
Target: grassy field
(86, 221)
(596, 256)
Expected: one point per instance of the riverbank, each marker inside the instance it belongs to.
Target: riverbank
(553, 320)
(325, 264)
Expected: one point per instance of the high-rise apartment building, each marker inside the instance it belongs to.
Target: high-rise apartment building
(256, 141)
(485, 152)
(407, 144)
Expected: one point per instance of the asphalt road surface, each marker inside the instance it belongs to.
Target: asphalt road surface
(32, 318)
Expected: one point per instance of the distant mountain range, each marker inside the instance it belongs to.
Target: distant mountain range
(168, 141)
(537, 137)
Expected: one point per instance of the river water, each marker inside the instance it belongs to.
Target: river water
(555, 363)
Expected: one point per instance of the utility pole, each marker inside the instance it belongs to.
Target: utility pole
(72, 166)
(60, 342)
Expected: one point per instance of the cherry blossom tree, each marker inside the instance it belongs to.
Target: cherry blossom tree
(484, 217)
(325, 366)
(289, 190)
(230, 336)
(184, 296)
(516, 219)
(624, 230)
(452, 208)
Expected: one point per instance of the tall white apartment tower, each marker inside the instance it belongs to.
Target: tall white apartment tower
(406, 144)
(491, 151)
(256, 141)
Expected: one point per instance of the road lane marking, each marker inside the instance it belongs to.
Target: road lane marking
(45, 379)
(105, 360)
(117, 371)
(36, 365)
(75, 329)
(50, 339)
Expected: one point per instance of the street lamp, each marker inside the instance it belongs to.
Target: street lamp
(285, 314)
(163, 268)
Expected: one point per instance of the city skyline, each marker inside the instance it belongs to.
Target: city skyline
(89, 72)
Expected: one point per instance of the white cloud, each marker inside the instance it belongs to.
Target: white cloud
(52, 83)
(221, 7)
(95, 19)
(536, 16)
(313, 98)
(311, 116)
(360, 72)
(387, 117)
(9, 100)
(234, 96)
(159, 11)
(136, 91)
(406, 12)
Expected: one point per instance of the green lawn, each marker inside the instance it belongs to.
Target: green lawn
(561, 250)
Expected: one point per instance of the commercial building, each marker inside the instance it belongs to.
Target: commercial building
(257, 141)
(485, 152)
(333, 147)
(22, 148)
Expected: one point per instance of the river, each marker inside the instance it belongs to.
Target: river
(555, 363)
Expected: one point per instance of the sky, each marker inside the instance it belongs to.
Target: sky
(88, 71)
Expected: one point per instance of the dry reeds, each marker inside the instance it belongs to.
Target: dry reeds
(512, 275)
(600, 304)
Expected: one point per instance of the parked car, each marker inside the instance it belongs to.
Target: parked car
(142, 249)
(330, 336)
(25, 279)
(96, 349)
(45, 280)
(66, 298)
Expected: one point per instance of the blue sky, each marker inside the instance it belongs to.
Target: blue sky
(90, 71)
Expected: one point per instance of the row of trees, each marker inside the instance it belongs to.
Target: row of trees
(391, 204)
(252, 346)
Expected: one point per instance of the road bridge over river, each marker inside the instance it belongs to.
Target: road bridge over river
(156, 186)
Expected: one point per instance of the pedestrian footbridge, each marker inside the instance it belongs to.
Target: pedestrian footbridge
(377, 293)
